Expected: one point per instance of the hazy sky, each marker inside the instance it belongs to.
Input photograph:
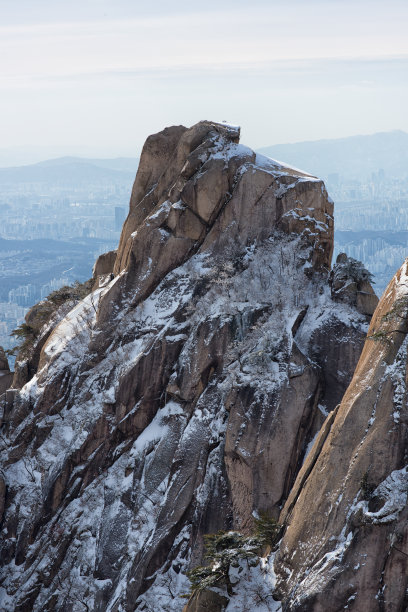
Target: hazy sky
(97, 76)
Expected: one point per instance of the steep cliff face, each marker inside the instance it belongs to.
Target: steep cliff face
(346, 545)
(181, 395)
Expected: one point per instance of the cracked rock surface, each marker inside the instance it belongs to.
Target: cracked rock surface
(182, 394)
(346, 542)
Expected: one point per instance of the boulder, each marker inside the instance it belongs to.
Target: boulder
(206, 600)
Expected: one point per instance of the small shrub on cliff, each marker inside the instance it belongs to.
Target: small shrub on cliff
(366, 487)
(224, 550)
(227, 549)
(355, 270)
(42, 312)
(74, 292)
(267, 530)
(26, 335)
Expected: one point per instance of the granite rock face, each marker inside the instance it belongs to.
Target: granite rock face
(346, 543)
(181, 395)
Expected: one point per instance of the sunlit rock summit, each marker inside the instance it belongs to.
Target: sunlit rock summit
(183, 393)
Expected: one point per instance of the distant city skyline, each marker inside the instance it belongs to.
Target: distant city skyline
(95, 78)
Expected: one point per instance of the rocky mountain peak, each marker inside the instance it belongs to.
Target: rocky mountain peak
(198, 190)
(179, 393)
(170, 157)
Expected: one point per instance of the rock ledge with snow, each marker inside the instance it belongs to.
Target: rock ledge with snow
(182, 395)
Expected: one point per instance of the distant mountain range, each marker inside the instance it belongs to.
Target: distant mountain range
(355, 157)
(70, 170)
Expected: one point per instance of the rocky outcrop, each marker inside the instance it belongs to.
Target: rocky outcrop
(351, 283)
(346, 543)
(200, 181)
(181, 396)
(103, 269)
